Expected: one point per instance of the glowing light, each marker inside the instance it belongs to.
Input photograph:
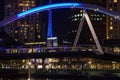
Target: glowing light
(49, 33)
(29, 63)
(58, 6)
(43, 8)
(115, 1)
(33, 43)
(52, 38)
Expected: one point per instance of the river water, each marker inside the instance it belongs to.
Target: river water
(93, 78)
(29, 79)
(36, 79)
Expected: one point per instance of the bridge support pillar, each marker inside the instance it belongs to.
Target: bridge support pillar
(78, 32)
(43, 63)
(85, 16)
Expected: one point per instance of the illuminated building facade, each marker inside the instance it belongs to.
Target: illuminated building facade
(96, 18)
(27, 29)
(113, 28)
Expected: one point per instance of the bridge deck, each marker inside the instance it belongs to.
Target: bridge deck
(90, 54)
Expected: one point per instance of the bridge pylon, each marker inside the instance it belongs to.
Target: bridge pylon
(87, 18)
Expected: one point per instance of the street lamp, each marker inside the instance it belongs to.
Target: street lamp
(29, 71)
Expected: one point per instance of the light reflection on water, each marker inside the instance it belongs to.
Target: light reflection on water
(95, 78)
(29, 79)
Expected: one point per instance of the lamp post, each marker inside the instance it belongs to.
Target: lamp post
(29, 70)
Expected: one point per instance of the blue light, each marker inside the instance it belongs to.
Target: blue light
(58, 6)
(50, 6)
(49, 32)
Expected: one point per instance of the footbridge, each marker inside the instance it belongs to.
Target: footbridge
(85, 7)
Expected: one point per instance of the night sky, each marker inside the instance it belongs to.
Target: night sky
(1, 10)
(60, 20)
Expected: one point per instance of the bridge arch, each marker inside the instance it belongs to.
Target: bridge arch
(58, 6)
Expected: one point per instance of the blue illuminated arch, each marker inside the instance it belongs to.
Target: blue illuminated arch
(57, 6)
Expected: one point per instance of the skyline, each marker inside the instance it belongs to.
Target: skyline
(57, 19)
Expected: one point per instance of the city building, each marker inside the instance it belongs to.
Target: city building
(98, 20)
(113, 28)
(6, 41)
(27, 29)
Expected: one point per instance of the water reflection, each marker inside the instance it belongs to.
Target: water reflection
(30, 79)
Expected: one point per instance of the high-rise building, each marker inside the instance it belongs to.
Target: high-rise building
(98, 20)
(113, 28)
(27, 29)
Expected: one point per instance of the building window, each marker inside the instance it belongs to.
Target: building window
(115, 1)
(25, 37)
(108, 37)
(16, 31)
(16, 40)
(98, 19)
(110, 23)
(116, 49)
(111, 27)
(111, 9)
(29, 50)
(39, 36)
(111, 19)
(101, 19)
(75, 19)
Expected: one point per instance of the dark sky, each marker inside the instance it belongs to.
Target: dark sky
(60, 20)
(1, 10)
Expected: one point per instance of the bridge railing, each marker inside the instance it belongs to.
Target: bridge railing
(48, 49)
(56, 49)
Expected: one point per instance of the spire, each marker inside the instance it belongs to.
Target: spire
(49, 33)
